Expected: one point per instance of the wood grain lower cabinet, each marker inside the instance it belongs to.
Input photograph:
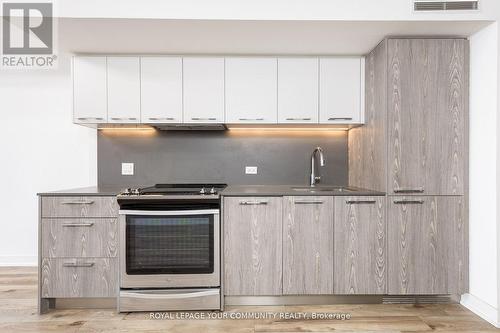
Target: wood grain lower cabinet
(78, 248)
(307, 245)
(79, 238)
(360, 246)
(427, 245)
(252, 246)
(77, 277)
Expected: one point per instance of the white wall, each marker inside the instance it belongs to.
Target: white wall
(483, 173)
(41, 151)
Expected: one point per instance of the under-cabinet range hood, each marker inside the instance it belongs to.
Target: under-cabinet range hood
(190, 127)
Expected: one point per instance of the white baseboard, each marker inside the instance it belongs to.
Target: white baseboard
(481, 308)
(18, 261)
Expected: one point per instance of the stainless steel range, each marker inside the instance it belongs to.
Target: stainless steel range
(170, 248)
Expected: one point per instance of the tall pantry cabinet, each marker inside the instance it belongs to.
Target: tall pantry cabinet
(414, 148)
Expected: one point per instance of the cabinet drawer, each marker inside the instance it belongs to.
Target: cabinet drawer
(77, 277)
(79, 238)
(79, 207)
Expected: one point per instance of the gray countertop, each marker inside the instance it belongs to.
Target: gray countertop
(86, 191)
(280, 190)
(234, 190)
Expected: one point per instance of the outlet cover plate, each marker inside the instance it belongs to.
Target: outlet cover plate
(251, 170)
(127, 169)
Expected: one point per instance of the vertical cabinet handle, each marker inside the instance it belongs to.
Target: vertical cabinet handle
(82, 264)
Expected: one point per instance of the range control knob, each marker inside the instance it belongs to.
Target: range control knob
(212, 190)
(202, 191)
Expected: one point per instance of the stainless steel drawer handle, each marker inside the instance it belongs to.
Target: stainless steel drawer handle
(114, 118)
(339, 118)
(298, 118)
(315, 202)
(251, 119)
(169, 296)
(79, 202)
(164, 118)
(253, 203)
(196, 118)
(407, 201)
(409, 190)
(356, 202)
(74, 225)
(74, 264)
(90, 118)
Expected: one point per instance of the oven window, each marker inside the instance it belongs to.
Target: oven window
(182, 244)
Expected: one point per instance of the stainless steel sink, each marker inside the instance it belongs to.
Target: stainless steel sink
(323, 189)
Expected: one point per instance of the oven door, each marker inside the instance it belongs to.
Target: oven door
(169, 249)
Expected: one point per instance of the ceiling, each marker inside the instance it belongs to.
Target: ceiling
(147, 36)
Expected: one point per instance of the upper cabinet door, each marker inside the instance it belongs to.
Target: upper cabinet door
(203, 90)
(161, 90)
(251, 90)
(89, 90)
(427, 112)
(124, 88)
(340, 90)
(298, 90)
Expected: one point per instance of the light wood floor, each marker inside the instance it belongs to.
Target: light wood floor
(18, 313)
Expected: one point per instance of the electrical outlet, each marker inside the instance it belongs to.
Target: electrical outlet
(127, 169)
(251, 170)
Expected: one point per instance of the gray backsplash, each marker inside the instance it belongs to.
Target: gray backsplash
(219, 156)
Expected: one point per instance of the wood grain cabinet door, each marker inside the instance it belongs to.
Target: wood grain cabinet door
(85, 238)
(427, 245)
(360, 246)
(79, 277)
(427, 112)
(252, 246)
(307, 245)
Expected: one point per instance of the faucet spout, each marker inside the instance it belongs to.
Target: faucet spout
(316, 178)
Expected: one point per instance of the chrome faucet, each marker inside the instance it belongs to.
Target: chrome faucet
(322, 162)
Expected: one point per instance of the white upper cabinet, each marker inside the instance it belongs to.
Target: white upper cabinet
(203, 89)
(89, 90)
(298, 90)
(251, 90)
(341, 90)
(124, 89)
(161, 90)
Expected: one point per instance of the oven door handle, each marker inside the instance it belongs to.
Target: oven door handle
(169, 296)
(168, 212)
